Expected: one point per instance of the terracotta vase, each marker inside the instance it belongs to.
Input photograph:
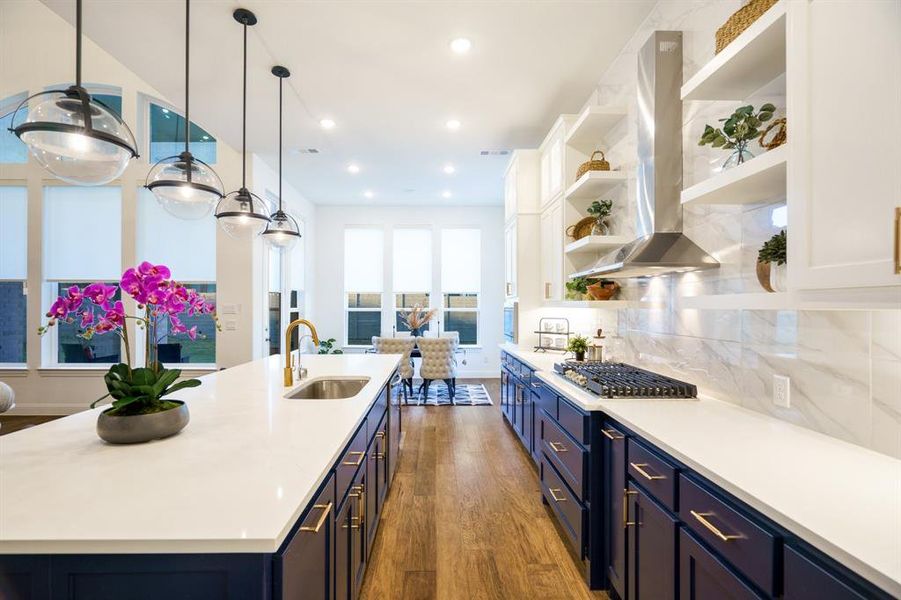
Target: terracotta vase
(603, 291)
(771, 277)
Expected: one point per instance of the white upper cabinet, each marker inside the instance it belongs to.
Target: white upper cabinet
(552, 166)
(510, 260)
(521, 184)
(844, 173)
(551, 247)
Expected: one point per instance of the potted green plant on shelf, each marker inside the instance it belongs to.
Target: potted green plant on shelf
(737, 131)
(600, 210)
(577, 288)
(578, 345)
(141, 410)
(771, 260)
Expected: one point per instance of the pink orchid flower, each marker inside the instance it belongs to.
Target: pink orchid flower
(100, 294)
(192, 332)
(74, 298)
(177, 325)
(116, 315)
(87, 319)
(103, 326)
(149, 270)
(59, 309)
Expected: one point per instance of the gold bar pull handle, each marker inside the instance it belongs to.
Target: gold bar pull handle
(702, 518)
(547, 291)
(640, 467)
(557, 447)
(898, 240)
(626, 494)
(611, 434)
(326, 509)
(556, 498)
(361, 456)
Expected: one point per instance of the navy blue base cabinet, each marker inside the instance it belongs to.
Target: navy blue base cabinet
(323, 558)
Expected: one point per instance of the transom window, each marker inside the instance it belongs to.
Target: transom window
(167, 136)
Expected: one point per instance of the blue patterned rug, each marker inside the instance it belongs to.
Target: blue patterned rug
(468, 394)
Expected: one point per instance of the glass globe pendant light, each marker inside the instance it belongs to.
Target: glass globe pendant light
(74, 136)
(242, 214)
(282, 231)
(185, 186)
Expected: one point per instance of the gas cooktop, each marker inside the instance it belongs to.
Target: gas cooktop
(619, 380)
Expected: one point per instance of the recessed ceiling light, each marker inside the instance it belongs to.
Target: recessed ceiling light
(449, 169)
(446, 194)
(353, 168)
(368, 194)
(327, 124)
(461, 45)
(453, 124)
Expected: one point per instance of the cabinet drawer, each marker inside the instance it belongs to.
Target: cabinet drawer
(570, 513)
(574, 421)
(703, 576)
(568, 457)
(354, 456)
(805, 580)
(378, 410)
(546, 400)
(743, 543)
(653, 473)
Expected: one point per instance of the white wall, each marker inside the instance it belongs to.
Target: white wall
(329, 260)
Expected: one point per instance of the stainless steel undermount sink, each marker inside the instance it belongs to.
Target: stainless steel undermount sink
(329, 388)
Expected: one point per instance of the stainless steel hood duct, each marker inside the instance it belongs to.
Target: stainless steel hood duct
(662, 248)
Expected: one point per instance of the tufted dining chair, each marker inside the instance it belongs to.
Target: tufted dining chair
(438, 362)
(404, 346)
(7, 397)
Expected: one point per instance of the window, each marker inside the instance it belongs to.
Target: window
(13, 253)
(188, 248)
(363, 273)
(412, 272)
(167, 136)
(12, 149)
(82, 244)
(461, 260)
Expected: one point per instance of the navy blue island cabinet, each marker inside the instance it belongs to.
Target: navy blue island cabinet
(643, 526)
(324, 556)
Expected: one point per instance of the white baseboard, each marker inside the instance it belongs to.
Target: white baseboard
(45, 409)
(479, 374)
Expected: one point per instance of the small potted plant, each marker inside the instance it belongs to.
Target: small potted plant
(771, 261)
(577, 288)
(141, 410)
(417, 318)
(578, 345)
(328, 347)
(600, 210)
(738, 130)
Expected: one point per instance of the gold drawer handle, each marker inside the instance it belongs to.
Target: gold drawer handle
(362, 457)
(898, 240)
(712, 528)
(547, 291)
(611, 434)
(553, 492)
(626, 494)
(326, 509)
(557, 447)
(640, 467)
(379, 434)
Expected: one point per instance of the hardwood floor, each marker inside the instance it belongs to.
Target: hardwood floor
(464, 519)
(10, 423)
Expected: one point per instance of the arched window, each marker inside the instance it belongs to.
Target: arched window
(167, 136)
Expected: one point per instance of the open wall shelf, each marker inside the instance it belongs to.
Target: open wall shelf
(604, 304)
(593, 126)
(761, 179)
(846, 299)
(594, 244)
(593, 184)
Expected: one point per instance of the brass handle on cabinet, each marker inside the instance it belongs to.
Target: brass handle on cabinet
(379, 434)
(557, 447)
(626, 494)
(326, 509)
(898, 240)
(509, 289)
(547, 291)
(358, 493)
(553, 492)
(640, 468)
(701, 517)
(362, 457)
(611, 434)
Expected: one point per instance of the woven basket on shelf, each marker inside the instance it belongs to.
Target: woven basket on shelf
(741, 20)
(593, 165)
(580, 229)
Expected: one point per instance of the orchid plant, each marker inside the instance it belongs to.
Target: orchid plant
(160, 298)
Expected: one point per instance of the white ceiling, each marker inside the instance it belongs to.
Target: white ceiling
(384, 72)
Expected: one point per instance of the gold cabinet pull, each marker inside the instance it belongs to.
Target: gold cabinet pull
(626, 494)
(326, 509)
(509, 289)
(361, 456)
(379, 434)
(640, 467)
(553, 492)
(898, 240)
(547, 291)
(357, 492)
(702, 518)
(557, 447)
(611, 434)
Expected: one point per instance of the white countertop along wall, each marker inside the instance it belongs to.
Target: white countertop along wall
(235, 480)
(841, 498)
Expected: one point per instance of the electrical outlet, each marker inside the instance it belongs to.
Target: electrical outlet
(782, 391)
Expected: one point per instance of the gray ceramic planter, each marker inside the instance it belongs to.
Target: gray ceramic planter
(142, 428)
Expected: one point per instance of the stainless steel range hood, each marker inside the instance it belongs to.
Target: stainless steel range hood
(662, 247)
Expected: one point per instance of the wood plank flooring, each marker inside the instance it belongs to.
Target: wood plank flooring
(464, 519)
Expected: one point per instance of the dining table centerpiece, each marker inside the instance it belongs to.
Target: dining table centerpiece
(141, 408)
(417, 318)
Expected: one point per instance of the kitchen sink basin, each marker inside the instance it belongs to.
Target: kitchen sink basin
(329, 388)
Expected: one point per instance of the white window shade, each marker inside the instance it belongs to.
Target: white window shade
(363, 260)
(461, 260)
(13, 232)
(187, 247)
(412, 260)
(82, 233)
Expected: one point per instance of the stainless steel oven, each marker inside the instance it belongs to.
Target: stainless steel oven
(511, 321)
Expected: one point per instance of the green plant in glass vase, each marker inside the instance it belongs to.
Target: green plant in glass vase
(737, 131)
(600, 210)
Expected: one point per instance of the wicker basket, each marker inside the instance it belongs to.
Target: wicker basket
(593, 165)
(741, 20)
(580, 229)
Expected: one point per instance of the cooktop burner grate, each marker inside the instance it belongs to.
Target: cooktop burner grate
(619, 380)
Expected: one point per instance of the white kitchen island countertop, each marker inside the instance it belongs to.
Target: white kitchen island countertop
(841, 498)
(234, 480)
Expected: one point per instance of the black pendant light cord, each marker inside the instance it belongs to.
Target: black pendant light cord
(187, 79)
(281, 82)
(78, 43)
(244, 116)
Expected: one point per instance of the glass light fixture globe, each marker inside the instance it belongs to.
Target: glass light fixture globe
(186, 187)
(77, 138)
(242, 214)
(282, 231)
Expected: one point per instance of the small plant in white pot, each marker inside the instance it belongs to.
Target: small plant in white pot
(771, 261)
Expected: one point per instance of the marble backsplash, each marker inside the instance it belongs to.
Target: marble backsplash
(845, 366)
